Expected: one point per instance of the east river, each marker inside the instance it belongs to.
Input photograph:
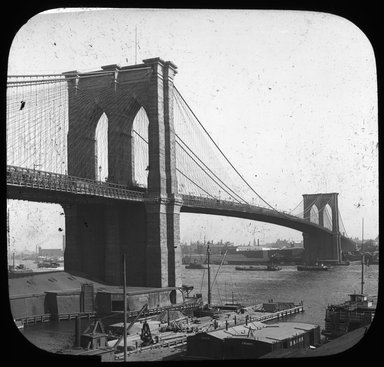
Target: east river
(316, 289)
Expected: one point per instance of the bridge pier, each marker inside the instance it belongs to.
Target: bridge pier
(336, 247)
(321, 247)
(113, 267)
(163, 268)
(97, 236)
(147, 234)
(174, 250)
(85, 237)
(72, 253)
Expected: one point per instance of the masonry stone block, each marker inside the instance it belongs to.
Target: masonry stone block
(149, 234)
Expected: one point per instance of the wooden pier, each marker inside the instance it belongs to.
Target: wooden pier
(180, 341)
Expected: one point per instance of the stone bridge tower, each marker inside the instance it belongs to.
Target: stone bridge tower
(322, 247)
(148, 233)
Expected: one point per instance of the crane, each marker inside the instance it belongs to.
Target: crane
(143, 309)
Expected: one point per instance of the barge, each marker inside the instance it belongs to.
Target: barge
(315, 267)
(259, 268)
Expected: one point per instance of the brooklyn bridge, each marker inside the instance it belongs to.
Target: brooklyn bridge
(123, 191)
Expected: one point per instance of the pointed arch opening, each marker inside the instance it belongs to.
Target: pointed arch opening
(314, 214)
(140, 149)
(101, 149)
(327, 217)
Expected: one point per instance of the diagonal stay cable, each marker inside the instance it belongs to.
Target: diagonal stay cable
(188, 178)
(195, 183)
(225, 157)
(207, 168)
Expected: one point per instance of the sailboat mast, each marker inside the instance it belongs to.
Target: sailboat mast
(209, 277)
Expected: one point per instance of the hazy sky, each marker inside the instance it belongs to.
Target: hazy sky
(290, 97)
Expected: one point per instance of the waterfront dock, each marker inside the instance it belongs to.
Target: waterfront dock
(172, 344)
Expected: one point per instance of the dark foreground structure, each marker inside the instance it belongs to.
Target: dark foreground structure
(252, 340)
(50, 296)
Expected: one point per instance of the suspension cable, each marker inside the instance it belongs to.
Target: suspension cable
(188, 178)
(225, 157)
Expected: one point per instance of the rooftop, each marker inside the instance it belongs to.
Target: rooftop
(61, 281)
(268, 333)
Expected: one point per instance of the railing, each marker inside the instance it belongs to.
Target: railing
(174, 343)
(199, 200)
(34, 319)
(27, 177)
(47, 317)
(190, 200)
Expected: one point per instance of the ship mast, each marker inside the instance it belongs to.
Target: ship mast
(362, 257)
(209, 277)
(8, 239)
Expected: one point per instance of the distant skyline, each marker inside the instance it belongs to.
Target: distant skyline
(290, 97)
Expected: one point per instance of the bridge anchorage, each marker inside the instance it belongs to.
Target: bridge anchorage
(160, 162)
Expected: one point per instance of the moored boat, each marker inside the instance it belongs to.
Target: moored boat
(359, 311)
(269, 267)
(195, 265)
(48, 264)
(347, 316)
(315, 267)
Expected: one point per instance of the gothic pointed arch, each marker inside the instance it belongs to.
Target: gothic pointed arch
(314, 214)
(327, 217)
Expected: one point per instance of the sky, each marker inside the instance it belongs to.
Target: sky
(289, 96)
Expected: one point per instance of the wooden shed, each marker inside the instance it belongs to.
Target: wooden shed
(63, 302)
(23, 306)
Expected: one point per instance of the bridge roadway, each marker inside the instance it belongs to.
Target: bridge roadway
(51, 187)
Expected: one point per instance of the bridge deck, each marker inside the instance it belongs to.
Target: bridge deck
(55, 182)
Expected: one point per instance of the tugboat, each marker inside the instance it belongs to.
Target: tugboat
(359, 311)
(342, 318)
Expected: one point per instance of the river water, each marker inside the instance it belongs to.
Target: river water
(316, 289)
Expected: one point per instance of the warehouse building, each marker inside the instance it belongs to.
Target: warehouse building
(252, 340)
